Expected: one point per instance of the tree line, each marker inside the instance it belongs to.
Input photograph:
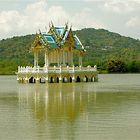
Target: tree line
(111, 52)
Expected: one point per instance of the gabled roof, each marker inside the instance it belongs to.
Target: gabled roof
(78, 43)
(65, 35)
(50, 41)
(49, 38)
(60, 30)
(57, 36)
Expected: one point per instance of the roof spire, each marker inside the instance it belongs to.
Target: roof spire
(46, 28)
(39, 31)
(49, 25)
(71, 26)
(66, 25)
(52, 23)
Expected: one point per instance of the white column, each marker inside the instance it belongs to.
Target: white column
(50, 57)
(35, 61)
(54, 56)
(53, 53)
(46, 58)
(61, 56)
(80, 59)
(37, 58)
(64, 57)
(71, 57)
(68, 58)
(58, 58)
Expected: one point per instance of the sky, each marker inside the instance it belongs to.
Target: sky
(22, 17)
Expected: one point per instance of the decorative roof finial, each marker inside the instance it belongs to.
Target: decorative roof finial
(66, 25)
(46, 28)
(49, 24)
(71, 27)
(39, 31)
(52, 23)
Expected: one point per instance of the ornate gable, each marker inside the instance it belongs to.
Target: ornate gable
(57, 37)
(69, 40)
(38, 43)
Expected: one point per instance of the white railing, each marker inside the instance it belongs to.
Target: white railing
(29, 69)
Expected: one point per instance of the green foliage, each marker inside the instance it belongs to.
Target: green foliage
(116, 65)
(102, 46)
(133, 66)
(15, 52)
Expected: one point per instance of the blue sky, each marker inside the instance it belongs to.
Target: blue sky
(21, 17)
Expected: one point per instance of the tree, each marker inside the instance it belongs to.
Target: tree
(116, 65)
(134, 66)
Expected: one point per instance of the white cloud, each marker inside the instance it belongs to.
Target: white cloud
(93, 0)
(38, 15)
(118, 6)
(138, 1)
(122, 6)
(134, 22)
(85, 19)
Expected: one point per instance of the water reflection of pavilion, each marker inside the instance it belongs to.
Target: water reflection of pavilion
(56, 107)
(57, 102)
(75, 111)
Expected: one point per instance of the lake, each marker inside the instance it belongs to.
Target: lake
(105, 110)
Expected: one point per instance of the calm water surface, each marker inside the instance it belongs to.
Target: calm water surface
(107, 110)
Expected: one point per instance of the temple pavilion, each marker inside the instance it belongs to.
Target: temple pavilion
(59, 46)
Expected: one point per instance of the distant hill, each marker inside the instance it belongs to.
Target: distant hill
(101, 46)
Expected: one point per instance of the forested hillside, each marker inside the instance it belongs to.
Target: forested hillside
(110, 51)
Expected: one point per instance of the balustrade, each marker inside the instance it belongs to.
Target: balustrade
(29, 69)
